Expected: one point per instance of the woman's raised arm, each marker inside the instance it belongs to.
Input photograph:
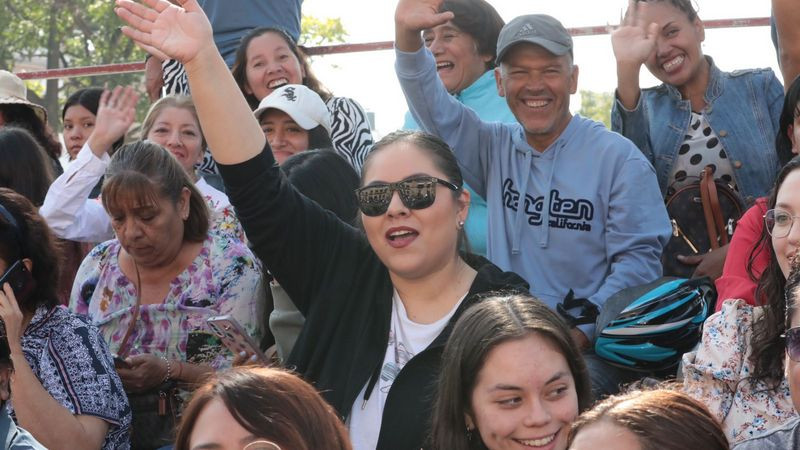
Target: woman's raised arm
(633, 42)
(183, 33)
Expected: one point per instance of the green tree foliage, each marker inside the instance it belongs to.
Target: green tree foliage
(65, 33)
(315, 31)
(597, 106)
(73, 33)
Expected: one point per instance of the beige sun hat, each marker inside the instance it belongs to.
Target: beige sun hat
(14, 92)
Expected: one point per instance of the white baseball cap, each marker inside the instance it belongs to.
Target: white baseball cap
(302, 104)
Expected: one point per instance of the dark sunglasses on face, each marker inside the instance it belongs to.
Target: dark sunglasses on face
(792, 337)
(416, 193)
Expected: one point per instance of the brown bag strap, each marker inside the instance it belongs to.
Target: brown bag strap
(123, 351)
(716, 210)
(705, 197)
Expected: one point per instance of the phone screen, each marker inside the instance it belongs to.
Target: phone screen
(234, 337)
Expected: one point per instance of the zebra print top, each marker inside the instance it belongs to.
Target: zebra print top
(350, 130)
(175, 80)
(351, 133)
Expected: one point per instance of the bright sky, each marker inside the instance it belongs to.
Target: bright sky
(369, 77)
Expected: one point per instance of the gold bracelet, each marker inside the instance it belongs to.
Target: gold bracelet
(168, 376)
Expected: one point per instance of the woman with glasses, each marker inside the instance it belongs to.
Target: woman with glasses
(787, 436)
(379, 304)
(747, 254)
(259, 409)
(738, 369)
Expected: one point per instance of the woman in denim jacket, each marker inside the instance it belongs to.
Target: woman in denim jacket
(700, 116)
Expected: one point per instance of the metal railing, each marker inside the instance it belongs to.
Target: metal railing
(108, 69)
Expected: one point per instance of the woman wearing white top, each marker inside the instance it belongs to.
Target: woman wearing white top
(172, 123)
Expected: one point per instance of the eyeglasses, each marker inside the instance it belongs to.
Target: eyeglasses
(415, 193)
(262, 445)
(779, 222)
(792, 337)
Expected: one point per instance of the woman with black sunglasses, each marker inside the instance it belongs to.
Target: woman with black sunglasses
(738, 370)
(379, 305)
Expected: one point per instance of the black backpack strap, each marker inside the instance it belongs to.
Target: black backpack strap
(587, 311)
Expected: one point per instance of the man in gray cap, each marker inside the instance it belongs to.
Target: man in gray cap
(573, 208)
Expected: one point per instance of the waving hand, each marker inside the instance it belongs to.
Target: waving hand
(413, 16)
(634, 41)
(166, 30)
(116, 112)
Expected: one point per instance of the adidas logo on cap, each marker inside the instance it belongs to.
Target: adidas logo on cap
(526, 30)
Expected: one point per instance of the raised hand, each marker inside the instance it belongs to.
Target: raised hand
(413, 16)
(418, 15)
(165, 30)
(153, 78)
(115, 114)
(634, 41)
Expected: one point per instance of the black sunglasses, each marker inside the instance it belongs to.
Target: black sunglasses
(792, 337)
(415, 193)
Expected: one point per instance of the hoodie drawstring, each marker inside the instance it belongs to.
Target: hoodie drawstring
(544, 232)
(376, 374)
(521, 206)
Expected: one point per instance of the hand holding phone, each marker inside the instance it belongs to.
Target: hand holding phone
(234, 337)
(121, 363)
(16, 285)
(20, 280)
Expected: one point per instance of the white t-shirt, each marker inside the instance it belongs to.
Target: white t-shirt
(406, 339)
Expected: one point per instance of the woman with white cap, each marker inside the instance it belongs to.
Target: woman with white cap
(294, 119)
(16, 109)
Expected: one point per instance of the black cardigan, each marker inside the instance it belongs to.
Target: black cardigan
(338, 283)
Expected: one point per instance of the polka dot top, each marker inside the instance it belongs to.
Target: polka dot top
(701, 147)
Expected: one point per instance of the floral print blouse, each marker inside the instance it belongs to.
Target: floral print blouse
(75, 367)
(717, 375)
(224, 279)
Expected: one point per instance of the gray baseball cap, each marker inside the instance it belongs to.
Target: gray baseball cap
(539, 29)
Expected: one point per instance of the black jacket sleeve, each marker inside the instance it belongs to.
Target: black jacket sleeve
(302, 244)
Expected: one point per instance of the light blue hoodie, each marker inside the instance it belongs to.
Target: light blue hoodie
(483, 98)
(599, 195)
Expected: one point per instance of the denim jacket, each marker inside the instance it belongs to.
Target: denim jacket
(743, 108)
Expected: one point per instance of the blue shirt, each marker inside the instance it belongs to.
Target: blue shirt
(232, 19)
(16, 438)
(781, 438)
(483, 98)
(743, 109)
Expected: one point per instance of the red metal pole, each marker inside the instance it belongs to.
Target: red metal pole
(108, 69)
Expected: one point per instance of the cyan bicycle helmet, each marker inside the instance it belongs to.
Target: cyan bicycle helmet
(648, 328)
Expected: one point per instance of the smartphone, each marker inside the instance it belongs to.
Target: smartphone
(120, 363)
(20, 280)
(234, 336)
